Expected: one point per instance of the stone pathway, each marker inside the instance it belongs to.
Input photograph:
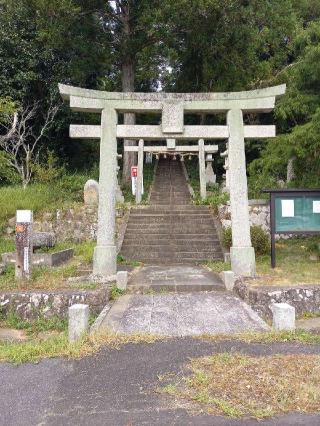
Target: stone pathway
(174, 278)
(182, 315)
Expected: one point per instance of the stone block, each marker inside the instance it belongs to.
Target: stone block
(91, 192)
(229, 279)
(211, 178)
(43, 239)
(172, 117)
(78, 321)
(122, 280)
(284, 316)
(171, 143)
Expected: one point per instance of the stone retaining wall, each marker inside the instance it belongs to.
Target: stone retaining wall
(259, 214)
(30, 305)
(305, 298)
(72, 225)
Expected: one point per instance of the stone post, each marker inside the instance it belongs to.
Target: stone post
(202, 170)
(211, 178)
(105, 253)
(241, 253)
(140, 172)
(284, 316)
(24, 245)
(78, 323)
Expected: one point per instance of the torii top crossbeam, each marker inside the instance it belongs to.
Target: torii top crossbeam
(172, 107)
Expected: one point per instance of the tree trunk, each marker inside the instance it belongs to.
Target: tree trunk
(129, 158)
(290, 170)
(128, 75)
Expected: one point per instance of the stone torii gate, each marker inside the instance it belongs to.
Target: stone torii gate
(172, 106)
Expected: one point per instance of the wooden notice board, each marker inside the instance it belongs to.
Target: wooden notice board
(293, 211)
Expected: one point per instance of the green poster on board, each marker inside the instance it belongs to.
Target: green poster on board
(297, 213)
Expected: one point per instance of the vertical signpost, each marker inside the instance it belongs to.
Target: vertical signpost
(134, 175)
(24, 246)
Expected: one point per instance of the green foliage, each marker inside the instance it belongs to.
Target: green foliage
(8, 175)
(6, 245)
(116, 293)
(7, 109)
(85, 250)
(298, 116)
(37, 326)
(41, 197)
(218, 266)
(259, 239)
(49, 171)
(214, 199)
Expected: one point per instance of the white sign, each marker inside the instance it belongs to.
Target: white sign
(24, 216)
(26, 259)
(316, 206)
(133, 184)
(287, 207)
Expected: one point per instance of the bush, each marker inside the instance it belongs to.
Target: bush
(214, 199)
(8, 174)
(50, 171)
(259, 238)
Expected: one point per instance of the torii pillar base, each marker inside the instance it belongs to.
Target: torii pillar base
(105, 261)
(243, 261)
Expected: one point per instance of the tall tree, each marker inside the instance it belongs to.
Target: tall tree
(131, 27)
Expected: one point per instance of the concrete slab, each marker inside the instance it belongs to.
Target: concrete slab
(181, 278)
(310, 324)
(183, 314)
(12, 335)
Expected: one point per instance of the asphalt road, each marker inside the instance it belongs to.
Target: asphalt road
(118, 387)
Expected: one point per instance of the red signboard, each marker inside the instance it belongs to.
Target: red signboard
(134, 171)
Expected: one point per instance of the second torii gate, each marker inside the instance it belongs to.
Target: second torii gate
(172, 106)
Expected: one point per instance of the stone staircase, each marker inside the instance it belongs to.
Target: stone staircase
(171, 230)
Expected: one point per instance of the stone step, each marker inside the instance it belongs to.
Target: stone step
(174, 261)
(175, 229)
(166, 210)
(177, 245)
(168, 255)
(174, 237)
(171, 219)
(177, 217)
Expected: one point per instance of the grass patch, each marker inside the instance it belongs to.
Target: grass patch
(41, 197)
(293, 264)
(44, 278)
(58, 346)
(238, 385)
(297, 336)
(116, 293)
(37, 326)
(6, 245)
(218, 266)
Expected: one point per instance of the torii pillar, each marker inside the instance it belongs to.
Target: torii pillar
(241, 253)
(105, 253)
